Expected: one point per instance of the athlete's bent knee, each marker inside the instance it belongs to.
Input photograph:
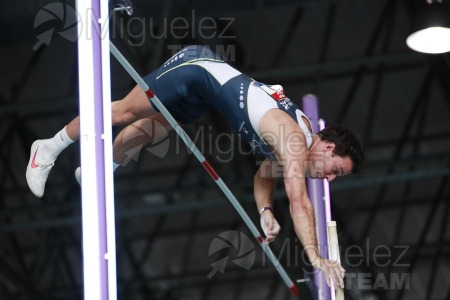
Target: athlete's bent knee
(121, 115)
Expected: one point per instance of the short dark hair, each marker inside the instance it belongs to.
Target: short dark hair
(347, 143)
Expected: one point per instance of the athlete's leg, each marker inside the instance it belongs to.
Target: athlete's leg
(171, 88)
(133, 107)
(44, 152)
(138, 134)
(132, 139)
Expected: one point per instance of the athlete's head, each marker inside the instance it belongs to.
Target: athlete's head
(340, 152)
(347, 143)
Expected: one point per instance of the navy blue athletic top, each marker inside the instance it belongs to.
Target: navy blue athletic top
(188, 90)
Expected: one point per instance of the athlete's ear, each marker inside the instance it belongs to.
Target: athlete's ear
(330, 146)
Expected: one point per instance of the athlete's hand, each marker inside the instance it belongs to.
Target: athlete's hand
(269, 225)
(333, 270)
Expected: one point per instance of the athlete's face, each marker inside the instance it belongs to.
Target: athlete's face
(324, 164)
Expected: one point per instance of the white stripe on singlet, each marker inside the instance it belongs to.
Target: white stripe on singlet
(259, 102)
(221, 71)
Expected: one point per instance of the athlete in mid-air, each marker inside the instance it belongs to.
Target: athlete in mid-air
(196, 80)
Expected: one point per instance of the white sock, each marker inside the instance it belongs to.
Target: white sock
(64, 140)
(51, 148)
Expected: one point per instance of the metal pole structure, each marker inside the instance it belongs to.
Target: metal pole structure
(326, 188)
(331, 226)
(190, 144)
(316, 194)
(99, 262)
(333, 242)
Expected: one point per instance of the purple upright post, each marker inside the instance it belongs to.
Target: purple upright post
(96, 151)
(99, 147)
(316, 194)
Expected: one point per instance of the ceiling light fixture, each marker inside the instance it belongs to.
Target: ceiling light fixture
(431, 28)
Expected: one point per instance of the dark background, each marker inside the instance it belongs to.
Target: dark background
(351, 54)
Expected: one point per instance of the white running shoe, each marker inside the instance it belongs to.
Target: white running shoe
(37, 171)
(78, 175)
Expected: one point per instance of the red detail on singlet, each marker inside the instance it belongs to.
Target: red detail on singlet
(278, 95)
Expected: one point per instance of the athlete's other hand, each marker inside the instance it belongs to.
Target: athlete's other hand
(333, 270)
(270, 226)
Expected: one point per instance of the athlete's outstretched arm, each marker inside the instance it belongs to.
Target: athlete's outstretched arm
(289, 144)
(264, 185)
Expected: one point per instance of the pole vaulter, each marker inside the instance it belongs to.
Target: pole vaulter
(190, 144)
